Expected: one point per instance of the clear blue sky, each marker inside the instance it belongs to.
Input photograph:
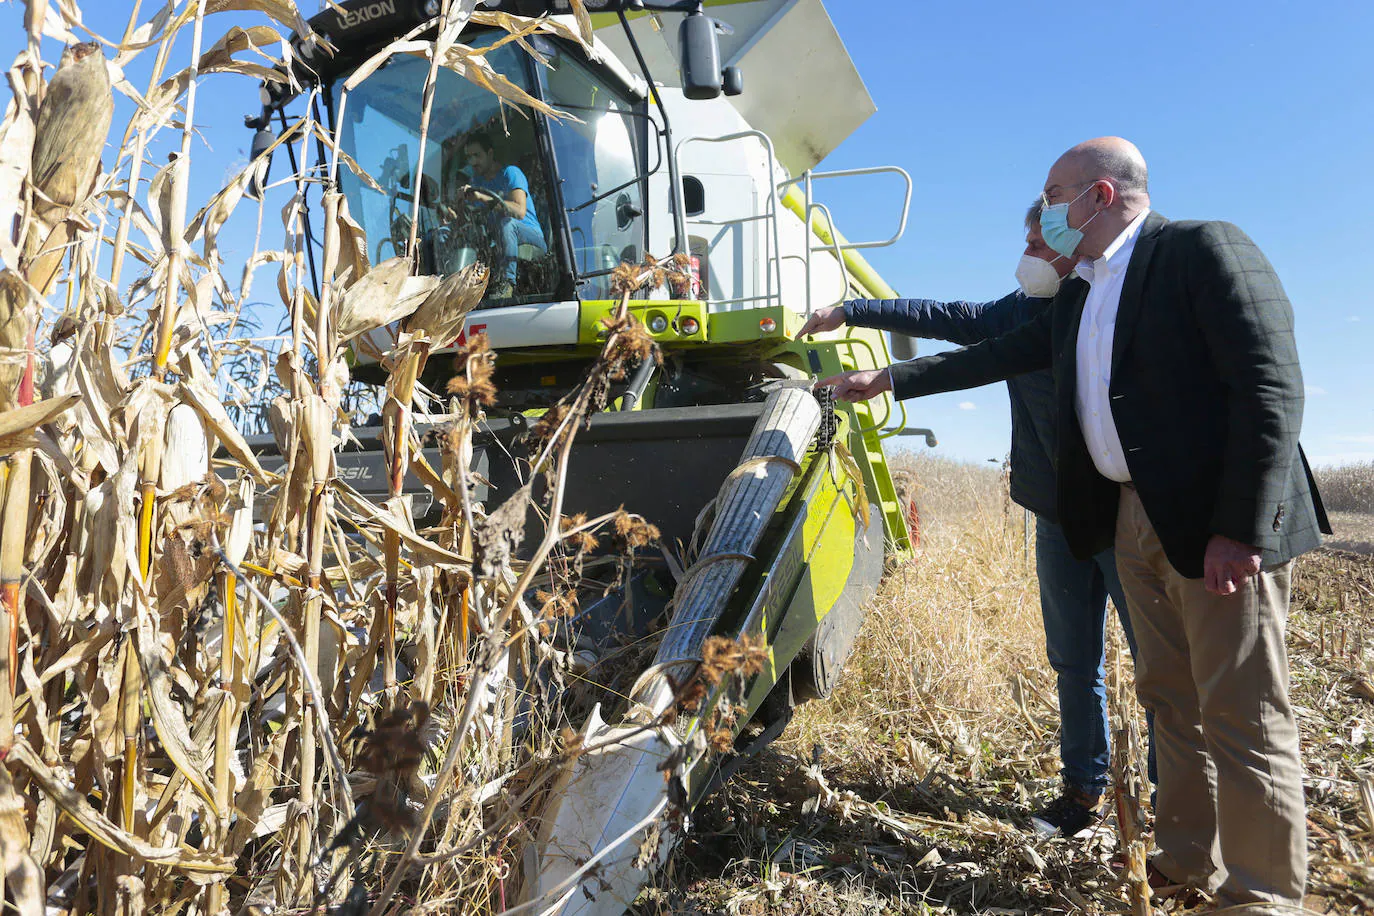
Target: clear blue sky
(1260, 113)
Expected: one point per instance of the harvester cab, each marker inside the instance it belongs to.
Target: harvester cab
(681, 127)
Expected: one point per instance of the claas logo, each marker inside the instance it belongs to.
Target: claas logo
(473, 329)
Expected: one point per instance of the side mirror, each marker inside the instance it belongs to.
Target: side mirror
(732, 81)
(625, 212)
(257, 182)
(700, 52)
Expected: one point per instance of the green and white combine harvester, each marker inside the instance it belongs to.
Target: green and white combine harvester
(672, 151)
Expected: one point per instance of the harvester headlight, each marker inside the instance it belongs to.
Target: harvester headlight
(767, 325)
(657, 324)
(689, 326)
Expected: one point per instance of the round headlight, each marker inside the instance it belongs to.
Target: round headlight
(657, 324)
(689, 326)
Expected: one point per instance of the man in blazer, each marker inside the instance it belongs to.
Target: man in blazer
(1180, 400)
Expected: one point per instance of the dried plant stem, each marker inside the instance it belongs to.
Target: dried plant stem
(437, 50)
(224, 733)
(15, 527)
(402, 385)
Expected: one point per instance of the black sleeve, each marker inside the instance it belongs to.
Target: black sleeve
(1026, 349)
(1247, 323)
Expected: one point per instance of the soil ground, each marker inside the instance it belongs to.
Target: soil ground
(910, 789)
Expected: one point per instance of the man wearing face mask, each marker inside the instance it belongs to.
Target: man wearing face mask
(1073, 592)
(1179, 402)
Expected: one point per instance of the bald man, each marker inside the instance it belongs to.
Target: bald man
(1180, 400)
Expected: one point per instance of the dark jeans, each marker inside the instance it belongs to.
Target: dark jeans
(514, 233)
(1073, 600)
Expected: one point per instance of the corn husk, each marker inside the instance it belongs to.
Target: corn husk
(440, 316)
(379, 298)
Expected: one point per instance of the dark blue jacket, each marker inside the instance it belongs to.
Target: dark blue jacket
(1032, 395)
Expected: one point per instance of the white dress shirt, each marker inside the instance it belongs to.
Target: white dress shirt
(1096, 330)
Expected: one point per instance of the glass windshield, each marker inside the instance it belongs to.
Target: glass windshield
(484, 194)
(600, 168)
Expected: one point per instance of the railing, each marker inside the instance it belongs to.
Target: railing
(773, 260)
(807, 179)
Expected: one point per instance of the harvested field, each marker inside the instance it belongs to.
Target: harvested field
(909, 790)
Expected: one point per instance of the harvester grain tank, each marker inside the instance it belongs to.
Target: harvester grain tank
(696, 130)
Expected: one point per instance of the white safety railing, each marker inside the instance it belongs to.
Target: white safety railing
(772, 258)
(809, 206)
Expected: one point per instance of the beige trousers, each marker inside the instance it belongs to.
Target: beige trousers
(1230, 816)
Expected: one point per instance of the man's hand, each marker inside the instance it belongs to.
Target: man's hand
(1227, 564)
(861, 384)
(826, 319)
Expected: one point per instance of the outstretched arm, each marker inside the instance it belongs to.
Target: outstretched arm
(1025, 349)
(956, 322)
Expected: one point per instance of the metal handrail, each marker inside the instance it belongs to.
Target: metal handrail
(888, 399)
(774, 262)
(833, 248)
(807, 177)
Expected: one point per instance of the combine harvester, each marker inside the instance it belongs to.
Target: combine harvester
(698, 126)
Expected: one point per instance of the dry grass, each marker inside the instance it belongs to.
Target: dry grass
(909, 790)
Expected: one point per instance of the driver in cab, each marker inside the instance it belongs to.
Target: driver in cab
(507, 191)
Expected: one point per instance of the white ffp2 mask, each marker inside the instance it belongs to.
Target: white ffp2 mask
(1038, 278)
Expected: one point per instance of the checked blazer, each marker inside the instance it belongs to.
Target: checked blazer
(1206, 393)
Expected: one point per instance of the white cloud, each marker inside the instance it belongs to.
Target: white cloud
(967, 405)
(1314, 389)
(1353, 318)
(1358, 440)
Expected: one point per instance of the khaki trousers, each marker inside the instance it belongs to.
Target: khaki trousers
(1230, 816)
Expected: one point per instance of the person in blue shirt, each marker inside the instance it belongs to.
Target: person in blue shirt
(1073, 593)
(507, 191)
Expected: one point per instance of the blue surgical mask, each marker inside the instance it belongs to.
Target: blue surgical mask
(1054, 226)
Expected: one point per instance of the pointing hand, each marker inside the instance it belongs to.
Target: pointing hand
(824, 319)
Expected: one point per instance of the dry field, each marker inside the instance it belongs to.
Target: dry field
(909, 790)
(1349, 494)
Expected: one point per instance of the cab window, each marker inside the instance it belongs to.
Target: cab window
(484, 193)
(600, 163)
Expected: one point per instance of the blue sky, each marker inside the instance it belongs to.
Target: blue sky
(1255, 112)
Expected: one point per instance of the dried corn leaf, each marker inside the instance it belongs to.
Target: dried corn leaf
(198, 868)
(220, 57)
(17, 426)
(23, 877)
(16, 153)
(379, 298)
(168, 719)
(584, 21)
(195, 392)
(394, 520)
(440, 316)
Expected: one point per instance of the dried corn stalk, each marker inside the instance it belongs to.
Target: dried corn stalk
(188, 697)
